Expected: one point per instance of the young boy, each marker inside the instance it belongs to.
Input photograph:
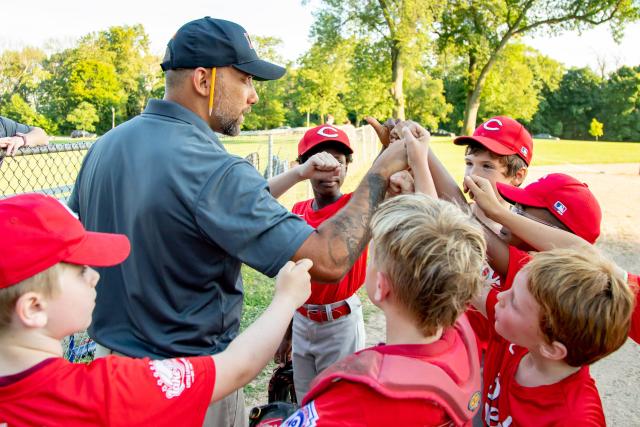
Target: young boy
(566, 310)
(424, 269)
(47, 291)
(556, 200)
(329, 326)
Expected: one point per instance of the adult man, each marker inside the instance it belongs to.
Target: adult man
(14, 135)
(194, 213)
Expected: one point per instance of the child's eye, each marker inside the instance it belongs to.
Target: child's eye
(489, 167)
(468, 164)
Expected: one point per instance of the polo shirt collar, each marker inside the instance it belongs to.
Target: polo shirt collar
(176, 111)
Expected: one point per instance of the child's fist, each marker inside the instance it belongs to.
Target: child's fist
(294, 282)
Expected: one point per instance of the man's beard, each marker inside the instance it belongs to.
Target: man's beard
(229, 126)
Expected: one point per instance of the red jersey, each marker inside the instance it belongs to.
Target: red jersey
(574, 401)
(634, 332)
(113, 391)
(347, 403)
(323, 293)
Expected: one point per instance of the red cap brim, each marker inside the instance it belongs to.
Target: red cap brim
(100, 250)
(519, 195)
(490, 144)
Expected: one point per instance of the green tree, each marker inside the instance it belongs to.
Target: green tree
(567, 111)
(426, 103)
(83, 116)
(323, 79)
(620, 104)
(19, 110)
(596, 129)
(480, 31)
(402, 25)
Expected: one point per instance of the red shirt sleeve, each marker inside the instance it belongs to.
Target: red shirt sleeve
(156, 392)
(517, 260)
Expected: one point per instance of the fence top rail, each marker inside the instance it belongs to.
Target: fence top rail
(51, 148)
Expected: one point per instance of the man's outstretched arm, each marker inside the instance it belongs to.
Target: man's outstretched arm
(338, 242)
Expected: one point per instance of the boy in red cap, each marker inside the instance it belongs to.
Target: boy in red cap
(47, 291)
(329, 326)
(425, 265)
(545, 237)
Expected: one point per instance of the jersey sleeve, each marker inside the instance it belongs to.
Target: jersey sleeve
(517, 260)
(9, 127)
(236, 212)
(157, 392)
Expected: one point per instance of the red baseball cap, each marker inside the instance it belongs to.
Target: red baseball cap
(565, 197)
(502, 135)
(38, 232)
(323, 133)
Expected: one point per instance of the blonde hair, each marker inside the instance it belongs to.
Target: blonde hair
(584, 303)
(433, 254)
(45, 283)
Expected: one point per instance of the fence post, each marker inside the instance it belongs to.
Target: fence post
(270, 157)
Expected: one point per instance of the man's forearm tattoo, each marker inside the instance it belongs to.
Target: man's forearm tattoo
(353, 227)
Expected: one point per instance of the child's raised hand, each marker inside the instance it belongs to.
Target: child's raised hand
(294, 282)
(417, 152)
(320, 166)
(382, 130)
(484, 195)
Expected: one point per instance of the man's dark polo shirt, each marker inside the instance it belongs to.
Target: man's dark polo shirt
(193, 213)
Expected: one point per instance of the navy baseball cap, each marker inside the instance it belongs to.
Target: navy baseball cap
(209, 42)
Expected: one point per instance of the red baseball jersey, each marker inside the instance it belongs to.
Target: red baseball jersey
(321, 293)
(571, 402)
(480, 325)
(111, 391)
(357, 405)
(634, 332)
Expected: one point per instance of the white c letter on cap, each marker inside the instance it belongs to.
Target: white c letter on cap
(328, 131)
(487, 127)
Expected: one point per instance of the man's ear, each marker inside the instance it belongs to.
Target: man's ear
(519, 177)
(30, 309)
(383, 287)
(201, 80)
(554, 351)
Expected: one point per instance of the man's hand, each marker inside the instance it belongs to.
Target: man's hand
(320, 166)
(294, 282)
(400, 183)
(485, 196)
(391, 160)
(382, 130)
(12, 143)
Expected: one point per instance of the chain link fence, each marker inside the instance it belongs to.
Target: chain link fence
(53, 169)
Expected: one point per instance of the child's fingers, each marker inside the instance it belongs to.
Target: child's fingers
(288, 266)
(471, 185)
(303, 264)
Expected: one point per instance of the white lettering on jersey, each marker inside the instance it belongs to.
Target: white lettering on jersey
(173, 375)
(307, 416)
(492, 413)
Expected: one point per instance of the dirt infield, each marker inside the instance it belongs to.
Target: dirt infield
(616, 187)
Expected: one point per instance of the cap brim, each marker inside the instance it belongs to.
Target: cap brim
(100, 250)
(490, 144)
(519, 195)
(262, 70)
